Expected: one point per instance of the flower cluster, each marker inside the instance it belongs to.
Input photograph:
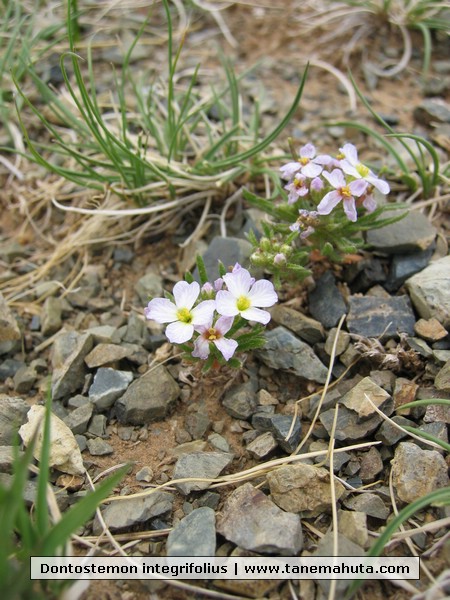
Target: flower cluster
(207, 314)
(328, 206)
(328, 183)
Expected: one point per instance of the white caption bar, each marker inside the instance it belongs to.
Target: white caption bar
(190, 567)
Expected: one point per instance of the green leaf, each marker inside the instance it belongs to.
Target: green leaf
(203, 275)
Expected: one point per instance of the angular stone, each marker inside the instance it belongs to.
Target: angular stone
(430, 291)
(303, 488)
(371, 465)
(218, 442)
(65, 454)
(308, 329)
(354, 525)
(357, 398)
(51, 316)
(430, 330)
(417, 472)
(77, 421)
(124, 514)
(349, 426)
(24, 379)
(262, 445)
(442, 379)
(253, 522)
(406, 265)
(148, 398)
(108, 385)
(103, 354)
(7, 457)
(368, 503)
(326, 303)
(389, 435)
(229, 250)
(371, 316)
(432, 110)
(342, 342)
(195, 535)
(283, 350)
(405, 391)
(104, 334)
(9, 330)
(98, 447)
(149, 286)
(201, 465)
(280, 426)
(240, 400)
(411, 234)
(68, 366)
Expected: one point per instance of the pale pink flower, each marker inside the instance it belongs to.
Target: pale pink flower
(214, 334)
(181, 315)
(351, 166)
(296, 188)
(279, 258)
(343, 191)
(308, 164)
(245, 296)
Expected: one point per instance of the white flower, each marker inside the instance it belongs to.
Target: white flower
(210, 333)
(182, 318)
(308, 164)
(351, 166)
(345, 192)
(244, 295)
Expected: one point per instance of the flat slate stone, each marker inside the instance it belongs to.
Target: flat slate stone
(195, 535)
(326, 303)
(108, 385)
(202, 465)
(411, 234)
(371, 316)
(430, 291)
(229, 250)
(69, 351)
(283, 350)
(279, 426)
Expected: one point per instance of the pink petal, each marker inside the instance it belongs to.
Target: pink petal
(351, 153)
(307, 151)
(256, 314)
(349, 169)
(186, 294)
(203, 312)
(179, 332)
(350, 209)
(328, 202)
(223, 324)
(369, 203)
(336, 178)
(263, 294)
(288, 171)
(381, 185)
(324, 159)
(311, 170)
(358, 187)
(238, 282)
(161, 310)
(201, 348)
(226, 304)
(226, 347)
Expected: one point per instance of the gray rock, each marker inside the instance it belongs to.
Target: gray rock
(371, 316)
(406, 265)
(124, 514)
(51, 318)
(9, 330)
(104, 354)
(437, 429)
(308, 329)
(229, 250)
(354, 525)
(68, 366)
(210, 499)
(442, 379)
(98, 447)
(279, 426)
(145, 474)
(417, 472)
(342, 342)
(368, 503)
(303, 488)
(135, 330)
(389, 434)
(253, 522)
(371, 465)
(7, 457)
(97, 426)
(413, 233)
(148, 398)
(430, 291)
(202, 465)
(197, 424)
(346, 548)
(431, 110)
(108, 385)
(262, 445)
(240, 400)
(149, 286)
(326, 303)
(359, 398)
(339, 458)
(283, 350)
(24, 379)
(79, 418)
(218, 442)
(9, 367)
(13, 414)
(348, 426)
(195, 535)
(104, 334)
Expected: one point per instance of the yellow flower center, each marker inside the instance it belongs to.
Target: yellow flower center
(297, 182)
(303, 160)
(184, 315)
(345, 191)
(243, 303)
(362, 170)
(340, 156)
(212, 334)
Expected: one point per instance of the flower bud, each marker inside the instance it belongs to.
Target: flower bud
(265, 244)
